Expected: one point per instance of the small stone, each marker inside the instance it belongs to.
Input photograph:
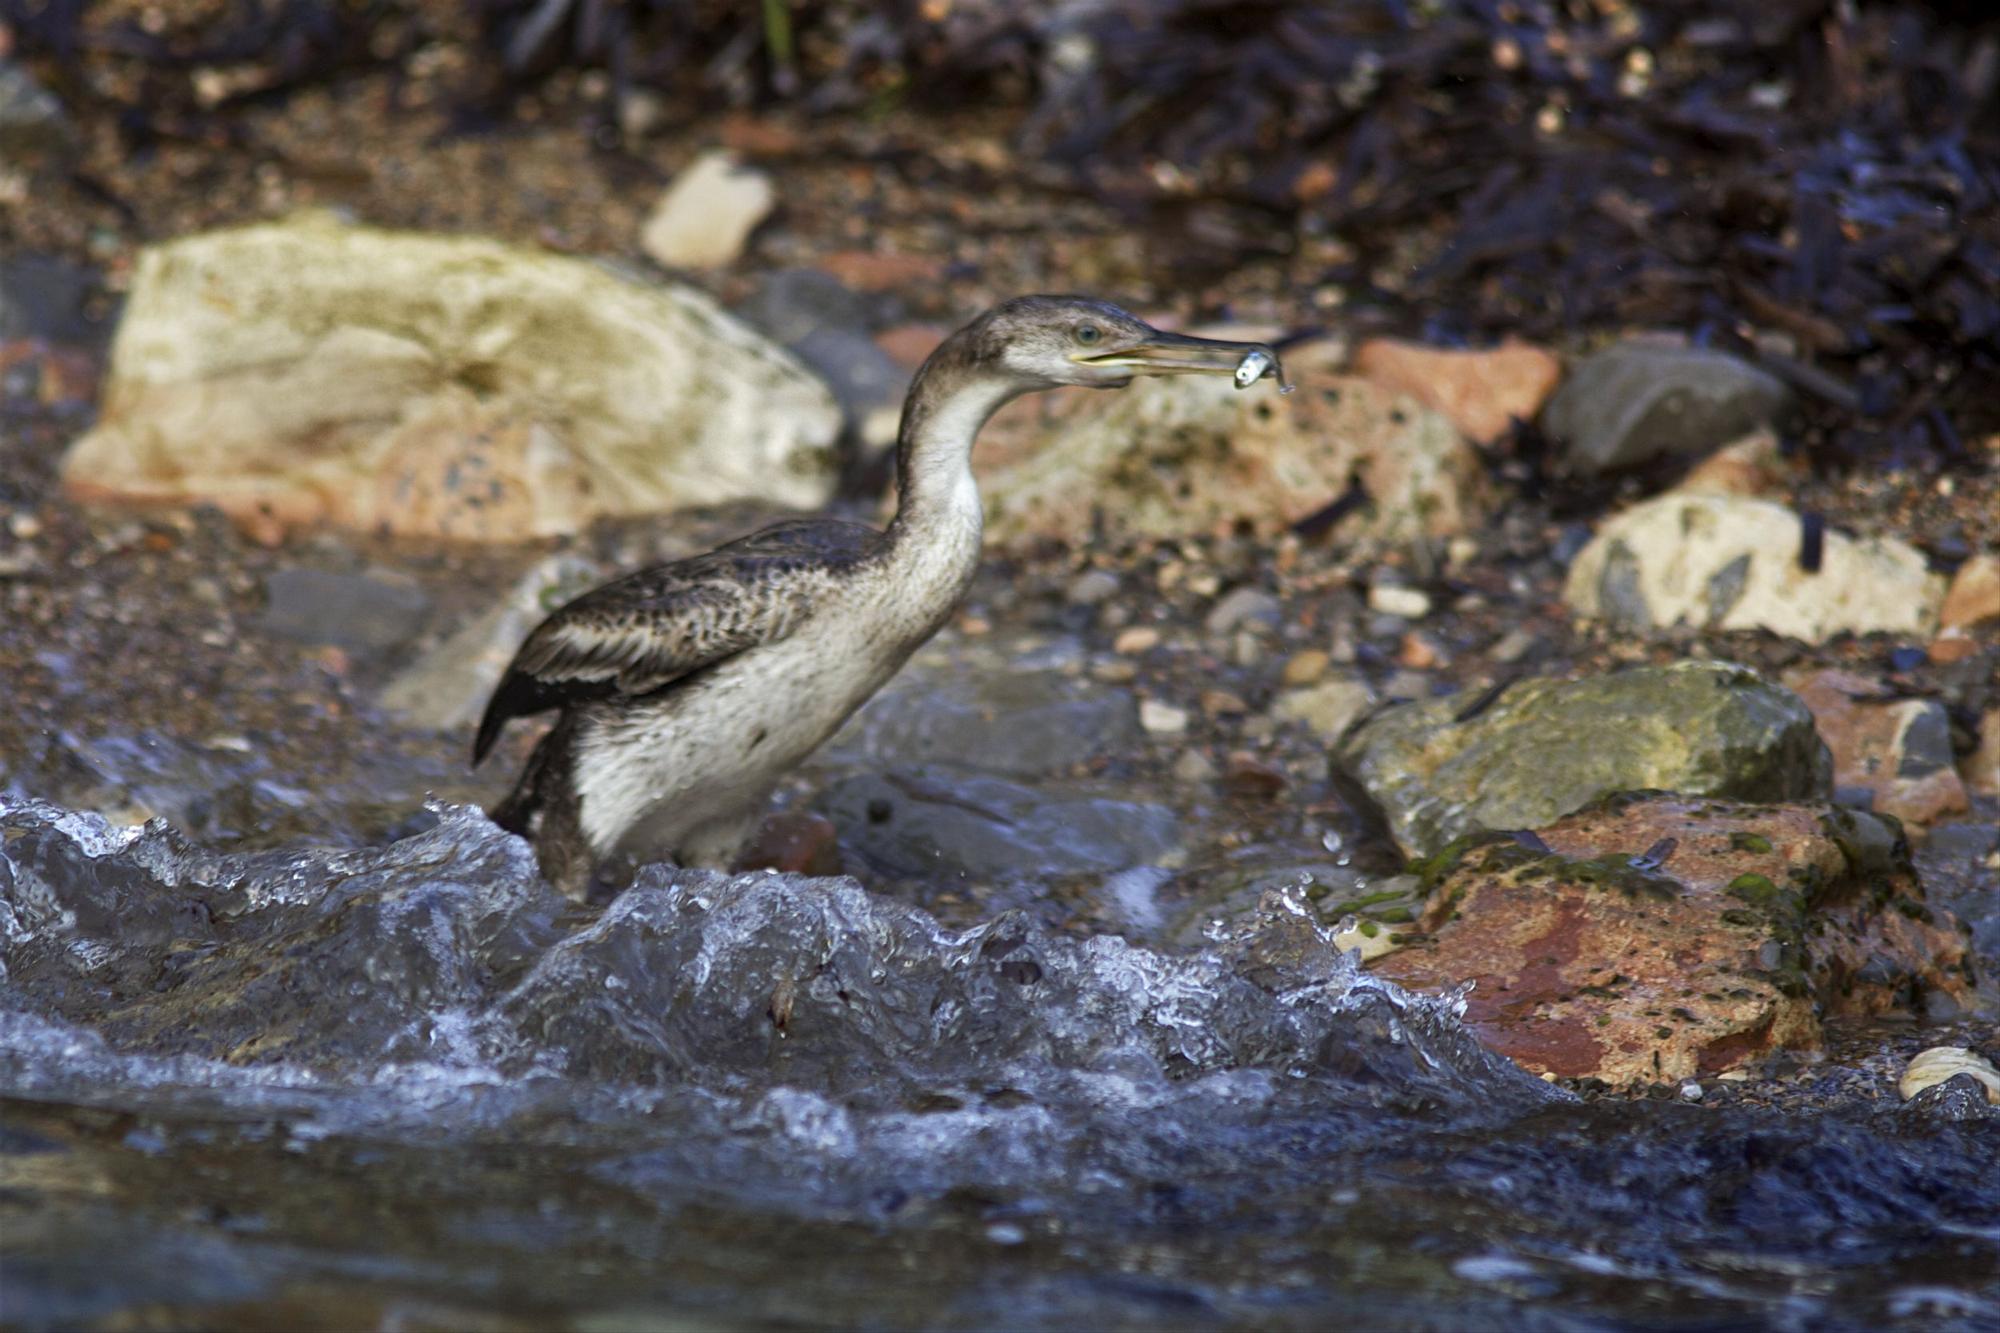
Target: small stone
(24, 525)
(1407, 685)
(1482, 392)
(1114, 672)
(1342, 650)
(1639, 401)
(1246, 775)
(706, 215)
(1221, 703)
(1421, 652)
(1953, 645)
(1393, 599)
(1898, 751)
(1204, 583)
(1139, 639)
(1932, 1067)
(795, 842)
(1245, 607)
(1974, 596)
(1193, 768)
(1304, 668)
(1513, 646)
(1690, 1091)
(1162, 719)
(1328, 708)
(1092, 587)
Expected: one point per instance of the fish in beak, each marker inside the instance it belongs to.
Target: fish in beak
(1180, 354)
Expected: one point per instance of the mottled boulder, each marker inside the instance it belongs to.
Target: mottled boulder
(1546, 747)
(1168, 457)
(1655, 938)
(306, 373)
(1895, 754)
(1638, 401)
(1725, 562)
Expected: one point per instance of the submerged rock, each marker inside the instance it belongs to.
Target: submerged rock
(304, 373)
(1546, 747)
(1169, 457)
(1894, 753)
(1639, 401)
(1724, 562)
(1653, 939)
(1019, 724)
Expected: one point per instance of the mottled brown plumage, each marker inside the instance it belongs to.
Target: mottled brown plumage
(688, 689)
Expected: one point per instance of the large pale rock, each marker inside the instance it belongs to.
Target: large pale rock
(305, 373)
(1642, 400)
(1895, 751)
(1546, 747)
(706, 215)
(1649, 940)
(1725, 562)
(1169, 457)
(1483, 392)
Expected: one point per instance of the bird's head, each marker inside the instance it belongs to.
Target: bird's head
(1045, 341)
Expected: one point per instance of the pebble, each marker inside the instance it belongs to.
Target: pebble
(1221, 703)
(1974, 597)
(1093, 587)
(1306, 667)
(1193, 767)
(1407, 684)
(1421, 652)
(1932, 1067)
(1512, 646)
(1113, 672)
(706, 215)
(1162, 719)
(1244, 608)
(1247, 775)
(1139, 639)
(24, 525)
(1327, 707)
(1393, 599)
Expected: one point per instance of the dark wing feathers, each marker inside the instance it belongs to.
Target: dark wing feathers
(645, 631)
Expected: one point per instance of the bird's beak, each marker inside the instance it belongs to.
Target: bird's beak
(1178, 354)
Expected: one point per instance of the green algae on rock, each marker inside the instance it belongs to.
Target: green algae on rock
(1662, 937)
(1547, 747)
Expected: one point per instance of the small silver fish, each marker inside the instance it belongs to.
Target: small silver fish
(1258, 363)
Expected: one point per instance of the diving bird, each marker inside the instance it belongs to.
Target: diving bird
(689, 689)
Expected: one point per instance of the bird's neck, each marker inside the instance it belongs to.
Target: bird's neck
(950, 399)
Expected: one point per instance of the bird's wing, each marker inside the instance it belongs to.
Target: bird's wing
(643, 632)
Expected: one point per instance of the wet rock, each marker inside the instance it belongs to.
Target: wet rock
(1244, 607)
(1546, 747)
(361, 613)
(1328, 708)
(1897, 750)
(1931, 1067)
(1974, 596)
(1654, 939)
(1721, 562)
(706, 215)
(795, 842)
(1394, 599)
(1957, 1100)
(1019, 724)
(447, 687)
(1169, 457)
(1482, 392)
(936, 823)
(1639, 401)
(305, 372)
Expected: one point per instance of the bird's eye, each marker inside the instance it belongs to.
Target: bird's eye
(1087, 334)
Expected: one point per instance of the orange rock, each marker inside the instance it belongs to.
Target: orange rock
(797, 842)
(1750, 466)
(908, 344)
(874, 271)
(1899, 749)
(1738, 929)
(1482, 392)
(1974, 597)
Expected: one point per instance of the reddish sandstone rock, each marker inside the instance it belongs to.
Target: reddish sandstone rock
(1662, 937)
(1974, 596)
(1897, 749)
(1482, 392)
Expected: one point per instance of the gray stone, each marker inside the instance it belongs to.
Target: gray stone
(1329, 708)
(448, 686)
(1247, 608)
(865, 379)
(42, 296)
(1020, 724)
(1547, 747)
(33, 126)
(933, 822)
(362, 613)
(1639, 401)
(1092, 587)
(792, 303)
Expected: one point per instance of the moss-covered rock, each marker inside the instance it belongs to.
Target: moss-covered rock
(1546, 747)
(1660, 938)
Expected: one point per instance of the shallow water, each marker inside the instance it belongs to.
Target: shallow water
(410, 1086)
